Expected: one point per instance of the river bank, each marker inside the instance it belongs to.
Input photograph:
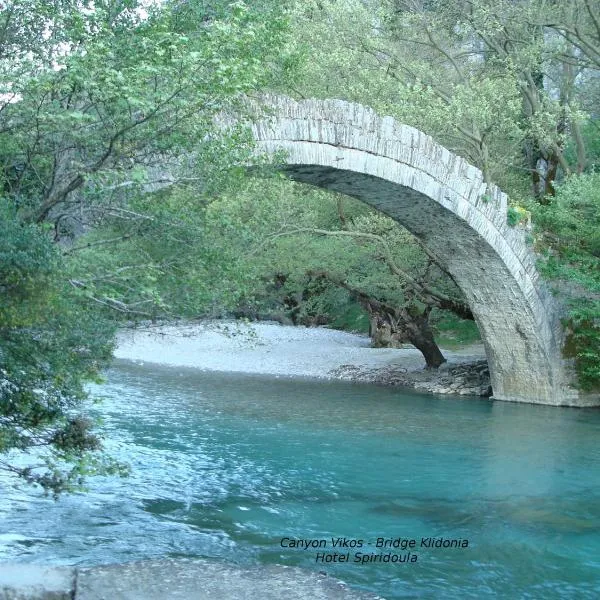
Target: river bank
(286, 351)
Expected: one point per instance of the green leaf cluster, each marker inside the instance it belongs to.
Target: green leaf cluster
(51, 343)
(568, 233)
(95, 97)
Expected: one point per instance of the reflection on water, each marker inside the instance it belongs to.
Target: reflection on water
(225, 466)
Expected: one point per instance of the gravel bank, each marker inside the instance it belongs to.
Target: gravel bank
(273, 349)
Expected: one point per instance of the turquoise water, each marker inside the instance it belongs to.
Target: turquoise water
(226, 466)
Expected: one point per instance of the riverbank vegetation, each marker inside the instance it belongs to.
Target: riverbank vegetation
(95, 98)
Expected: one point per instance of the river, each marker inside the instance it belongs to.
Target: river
(227, 466)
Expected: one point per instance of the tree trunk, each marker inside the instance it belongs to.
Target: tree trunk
(421, 337)
(390, 326)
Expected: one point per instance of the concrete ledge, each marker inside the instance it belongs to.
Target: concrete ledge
(175, 579)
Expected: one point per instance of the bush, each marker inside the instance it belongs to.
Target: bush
(50, 344)
(568, 233)
(516, 215)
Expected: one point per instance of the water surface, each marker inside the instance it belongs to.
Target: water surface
(225, 466)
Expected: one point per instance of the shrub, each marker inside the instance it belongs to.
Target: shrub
(568, 233)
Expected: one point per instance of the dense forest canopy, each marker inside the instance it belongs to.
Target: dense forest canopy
(96, 96)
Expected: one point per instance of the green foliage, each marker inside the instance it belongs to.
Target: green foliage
(121, 93)
(260, 242)
(573, 215)
(590, 137)
(583, 342)
(452, 332)
(512, 216)
(485, 78)
(95, 97)
(412, 65)
(516, 215)
(50, 344)
(351, 317)
(568, 232)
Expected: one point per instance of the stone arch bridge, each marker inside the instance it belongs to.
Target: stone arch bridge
(444, 201)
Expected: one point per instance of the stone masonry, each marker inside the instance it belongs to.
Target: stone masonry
(444, 201)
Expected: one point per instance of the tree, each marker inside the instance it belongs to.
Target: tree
(108, 95)
(281, 248)
(94, 98)
(496, 82)
(51, 341)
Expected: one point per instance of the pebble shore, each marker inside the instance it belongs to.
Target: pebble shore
(318, 352)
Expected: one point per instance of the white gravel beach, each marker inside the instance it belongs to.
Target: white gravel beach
(267, 348)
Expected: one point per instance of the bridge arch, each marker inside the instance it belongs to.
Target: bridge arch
(444, 201)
